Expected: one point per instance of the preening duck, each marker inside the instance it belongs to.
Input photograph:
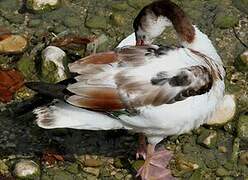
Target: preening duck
(162, 90)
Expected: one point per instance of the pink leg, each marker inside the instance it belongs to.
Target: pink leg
(141, 151)
(155, 166)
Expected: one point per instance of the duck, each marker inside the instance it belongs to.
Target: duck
(158, 91)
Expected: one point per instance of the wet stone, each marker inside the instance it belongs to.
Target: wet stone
(72, 168)
(53, 64)
(97, 22)
(92, 163)
(13, 44)
(207, 138)
(243, 158)
(34, 23)
(225, 21)
(26, 169)
(197, 175)
(138, 3)
(4, 169)
(241, 63)
(222, 172)
(118, 163)
(121, 6)
(137, 164)
(242, 5)
(118, 19)
(62, 175)
(27, 66)
(42, 5)
(242, 127)
(72, 21)
(93, 171)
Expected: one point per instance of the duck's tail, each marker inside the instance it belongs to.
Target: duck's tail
(62, 115)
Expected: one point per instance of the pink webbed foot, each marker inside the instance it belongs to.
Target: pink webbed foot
(155, 166)
(142, 149)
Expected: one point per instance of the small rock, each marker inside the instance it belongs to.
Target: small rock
(118, 19)
(4, 170)
(222, 172)
(98, 44)
(53, 64)
(222, 149)
(241, 63)
(138, 4)
(225, 112)
(129, 177)
(92, 163)
(119, 176)
(242, 127)
(72, 22)
(62, 175)
(137, 164)
(185, 165)
(27, 66)
(121, 6)
(26, 169)
(243, 158)
(197, 175)
(42, 5)
(93, 171)
(13, 44)
(207, 138)
(73, 168)
(97, 22)
(118, 163)
(225, 21)
(34, 23)
(241, 5)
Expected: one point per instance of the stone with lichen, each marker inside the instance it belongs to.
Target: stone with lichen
(42, 5)
(53, 68)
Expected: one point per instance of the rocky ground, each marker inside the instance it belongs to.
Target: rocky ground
(210, 152)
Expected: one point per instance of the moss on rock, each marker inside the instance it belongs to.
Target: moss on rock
(225, 21)
(97, 22)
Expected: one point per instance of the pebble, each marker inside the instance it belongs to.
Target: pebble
(225, 112)
(72, 22)
(53, 61)
(26, 168)
(42, 5)
(13, 44)
(222, 172)
(4, 169)
(242, 127)
(92, 163)
(138, 3)
(137, 164)
(118, 19)
(27, 66)
(243, 158)
(241, 63)
(93, 171)
(225, 21)
(97, 22)
(120, 6)
(34, 23)
(207, 138)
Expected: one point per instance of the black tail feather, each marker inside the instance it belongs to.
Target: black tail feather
(51, 90)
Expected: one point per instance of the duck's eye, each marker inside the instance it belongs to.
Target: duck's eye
(143, 37)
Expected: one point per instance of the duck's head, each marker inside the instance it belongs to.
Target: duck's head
(155, 17)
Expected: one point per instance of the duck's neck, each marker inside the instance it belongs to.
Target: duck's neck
(202, 43)
(190, 36)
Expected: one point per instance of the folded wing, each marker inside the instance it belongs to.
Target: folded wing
(105, 86)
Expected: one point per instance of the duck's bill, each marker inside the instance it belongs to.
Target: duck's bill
(140, 42)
